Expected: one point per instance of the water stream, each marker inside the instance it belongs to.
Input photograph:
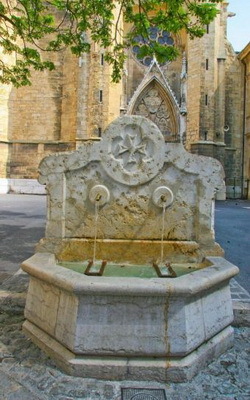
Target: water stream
(162, 234)
(97, 206)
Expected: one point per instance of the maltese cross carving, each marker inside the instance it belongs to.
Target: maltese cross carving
(132, 150)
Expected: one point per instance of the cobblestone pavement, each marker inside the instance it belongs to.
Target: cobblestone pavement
(26, 373)
(238, 293)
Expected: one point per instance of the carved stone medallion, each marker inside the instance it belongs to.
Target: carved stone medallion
(132, 150)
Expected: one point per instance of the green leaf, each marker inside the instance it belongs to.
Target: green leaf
(30, 27)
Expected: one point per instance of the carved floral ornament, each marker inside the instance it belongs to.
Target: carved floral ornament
(135, 154)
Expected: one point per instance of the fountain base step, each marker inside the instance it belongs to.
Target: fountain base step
(167, 369)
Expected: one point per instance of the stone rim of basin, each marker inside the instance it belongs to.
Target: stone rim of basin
(44, 266)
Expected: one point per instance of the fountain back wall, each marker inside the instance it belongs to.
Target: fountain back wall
(131, 162)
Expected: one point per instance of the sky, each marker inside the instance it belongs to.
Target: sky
(238, 27)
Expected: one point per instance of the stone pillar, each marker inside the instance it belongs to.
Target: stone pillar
(193, 89)
(247, 132)
(4, 136)
(82, 97)
(220, 102)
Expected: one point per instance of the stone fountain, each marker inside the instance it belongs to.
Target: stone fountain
(128, 202)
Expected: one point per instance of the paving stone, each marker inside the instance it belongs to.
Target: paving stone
(238, 293)
(11, 390)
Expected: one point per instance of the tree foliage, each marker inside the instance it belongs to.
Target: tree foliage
(30, 29)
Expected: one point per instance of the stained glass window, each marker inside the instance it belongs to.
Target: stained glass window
(162, 37)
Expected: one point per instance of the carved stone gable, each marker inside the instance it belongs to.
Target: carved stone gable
(153, 103)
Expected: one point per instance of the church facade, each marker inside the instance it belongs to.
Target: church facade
(198, 99)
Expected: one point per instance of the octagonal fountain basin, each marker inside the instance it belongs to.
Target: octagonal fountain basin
(129, 327)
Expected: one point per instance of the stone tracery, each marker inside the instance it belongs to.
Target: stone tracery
(154, 104)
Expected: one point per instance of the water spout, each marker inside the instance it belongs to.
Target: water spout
(99, 196)
(163, 197)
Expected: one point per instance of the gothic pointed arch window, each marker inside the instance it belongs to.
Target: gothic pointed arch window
(154, 103)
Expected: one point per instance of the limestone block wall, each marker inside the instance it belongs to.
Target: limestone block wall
(4, 114)
(38, 120)
(35, 111)
(69, 97)
(244, 57)
(24, 158)
(215, 101)
(98, 99)
(4, 153)
(4, 123)
(194, 84)
(97, 96)
(247, 127)
(234, 114)
(205, 85)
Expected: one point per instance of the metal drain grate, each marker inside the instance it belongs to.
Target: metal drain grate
(143, 394)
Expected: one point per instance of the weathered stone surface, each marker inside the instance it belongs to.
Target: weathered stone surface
(131, 251)
(118, 367)
(241, 313)
(132, 161)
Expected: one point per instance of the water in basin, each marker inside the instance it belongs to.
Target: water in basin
(135, 271)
